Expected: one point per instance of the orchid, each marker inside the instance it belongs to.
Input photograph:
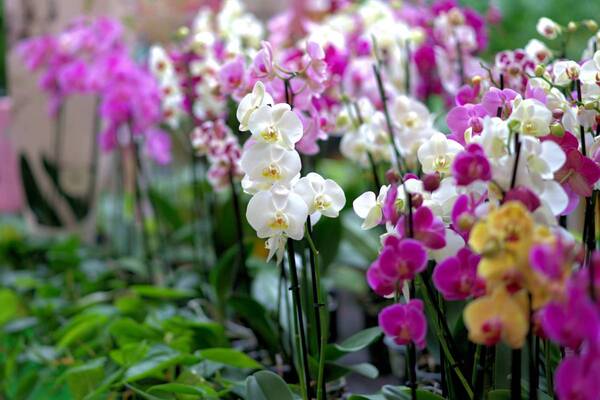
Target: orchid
(437, 154)
(405, 323)
(370, 207)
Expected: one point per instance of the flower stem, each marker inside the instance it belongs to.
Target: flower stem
(242, 275)
(513, 179)
(322, 310)
(515, 377)
(295, 288)
(445, 341)
(388, 119)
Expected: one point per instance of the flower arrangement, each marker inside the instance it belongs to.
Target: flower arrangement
(485, 263)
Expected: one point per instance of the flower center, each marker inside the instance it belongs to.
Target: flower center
(440, 163)
(491, 330)
(322, 202)
(270, 135)
(411, 120)
(272, 171)
(529, 128)
(279, 221)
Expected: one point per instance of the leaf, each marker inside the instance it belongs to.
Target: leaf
(231, 357)
(499, 394)
(9, 308)
(223, 274)
(163, 293)
(255, 315)
(335, 371)
(165, 210)
(129, 354)
(366, 397)
(78, 205)
(128, 331)
(38, 204)
(159, 358)
(404, 393)
(181, 388)
(83, 379)
(266, 385)
(83, 327)
(354, 343)
(327, 236)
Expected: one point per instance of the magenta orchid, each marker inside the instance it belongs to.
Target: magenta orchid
(456, 277)
(405, 323)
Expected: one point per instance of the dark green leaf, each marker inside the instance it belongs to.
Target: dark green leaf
(166, 211)
(79, 206)
(181, 388)
(157, 292)
(231, 357)
(38, 204)
(256, 316)
(158, 359)
(83, 379)
(266, 385)
(354, 343)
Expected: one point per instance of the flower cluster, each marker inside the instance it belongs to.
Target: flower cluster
(282, 202)
(90, 57)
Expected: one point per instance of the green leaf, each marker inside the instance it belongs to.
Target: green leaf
(180, 388)
(354, 343)
(84, 326)
(256, 316)
(129, 354)
(38, 204)
(165, 210)
(9, 308)
(231, 357)
(366, 397)
(128, 331)
(404, 393)
(159, 358)
(335, 371)
(223, 274)
(83, 379)
(266, 385)
(163, 293)
(499, 394)
(78, 205)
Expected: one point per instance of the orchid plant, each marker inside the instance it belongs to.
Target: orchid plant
(485, 220)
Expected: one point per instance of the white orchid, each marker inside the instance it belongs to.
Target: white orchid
(276, 212)
(251, 102)
(531, 117)
(548, 28)
(266, 165)
(437, 154)
(538, 51)
(276, 125)
(494, 137)
(544, 158)
(322, 196)
(566, 72)
(590, 70)
(370, 207)
(276, 247)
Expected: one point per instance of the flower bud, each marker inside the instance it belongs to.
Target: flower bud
(183, 32)
(571, 26)
(417, 200)
(431, 182)
(392, 176)
(557, 130)
(540, 70)
(557, 114)
(591, 25)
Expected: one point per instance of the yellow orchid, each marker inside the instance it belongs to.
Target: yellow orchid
(499, 316)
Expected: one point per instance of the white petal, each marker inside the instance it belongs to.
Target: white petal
(373, 218)
(553, 154)
(363, 204)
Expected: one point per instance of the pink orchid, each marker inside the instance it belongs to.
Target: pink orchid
(460, 118)
(456, 277)
(405, 323)
(427, 228)
(471, 165)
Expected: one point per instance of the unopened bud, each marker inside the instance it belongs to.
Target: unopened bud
(417, 200)
(539, 70)
(557, 114)
(591, 25)
(431, 182)
(571, 26)
(557, 130)
(392, 176)
(476, 80)
(183, 32)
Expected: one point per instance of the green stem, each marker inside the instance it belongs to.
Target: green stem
(515, 377)
(295, 288)
(444, 343)
(242, 274)
(321, 306)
